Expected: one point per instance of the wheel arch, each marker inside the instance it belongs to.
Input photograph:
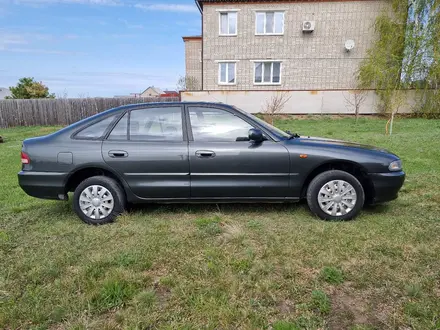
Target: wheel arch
(353, 168)
(88, 171)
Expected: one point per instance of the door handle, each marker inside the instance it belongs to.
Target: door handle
(205, 154)
(118, 154)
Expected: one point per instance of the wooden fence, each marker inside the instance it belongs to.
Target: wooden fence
(40, 112)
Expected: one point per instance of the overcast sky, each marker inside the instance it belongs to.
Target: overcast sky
(95, 47)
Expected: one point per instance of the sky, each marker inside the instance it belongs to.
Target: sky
(88, 48)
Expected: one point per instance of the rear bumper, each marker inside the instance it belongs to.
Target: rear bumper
(387, 185)
(45, 185)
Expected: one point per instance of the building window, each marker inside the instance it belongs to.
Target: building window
(271, 22)
(226, 73)
(228, 23)
(267, 73)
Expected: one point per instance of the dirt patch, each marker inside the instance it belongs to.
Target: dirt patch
(156, 273)
(350, 309)
(437, 292)
(286, 307)
(162, 293)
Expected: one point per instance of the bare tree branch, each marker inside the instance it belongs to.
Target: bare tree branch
(187, 83)
(354, 99)
(276, 104)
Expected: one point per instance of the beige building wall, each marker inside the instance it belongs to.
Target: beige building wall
(193, 62)
(316, 61)
(299, 102)
(150, 92)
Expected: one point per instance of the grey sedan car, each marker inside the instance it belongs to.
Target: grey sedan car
(201, 152)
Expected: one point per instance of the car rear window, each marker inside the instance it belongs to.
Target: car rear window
(119, 133)
(97, 130)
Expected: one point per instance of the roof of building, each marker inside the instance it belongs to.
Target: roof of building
(188, 38)
(4, 91)
(155, 89)
(200, 3)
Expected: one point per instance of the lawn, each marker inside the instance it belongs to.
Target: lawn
(229, 266)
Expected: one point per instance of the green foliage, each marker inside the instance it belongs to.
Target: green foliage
(320, 302)
(423, 55)
(113, 293)
(28, 88)
(145, 299)
(284, 325)
(405, 56)
(332, 275)
(209, 226)
(416, 310)
(413, 290)
(383, 66)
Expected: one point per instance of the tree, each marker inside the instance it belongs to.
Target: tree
(406, 55)
(28, 88)
(354, 100)
(187, 83)
(276, 104)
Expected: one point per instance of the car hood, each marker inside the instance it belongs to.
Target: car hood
(332, 142)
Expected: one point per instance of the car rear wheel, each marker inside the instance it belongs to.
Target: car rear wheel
(335, 195)
(98, 200)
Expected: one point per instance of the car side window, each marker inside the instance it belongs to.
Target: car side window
(156, 124)
(216, 125)
(119, 132)
(97, 130)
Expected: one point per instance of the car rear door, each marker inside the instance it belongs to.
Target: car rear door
(226, 165)
(149, 148)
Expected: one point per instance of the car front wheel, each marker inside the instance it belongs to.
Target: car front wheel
(335, 195)
(98, 200)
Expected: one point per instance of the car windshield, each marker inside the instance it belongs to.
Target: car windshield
(266, 125)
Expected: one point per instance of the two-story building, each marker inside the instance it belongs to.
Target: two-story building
(250, 49)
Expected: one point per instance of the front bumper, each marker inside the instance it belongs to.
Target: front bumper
(45, 185)
(387, 185)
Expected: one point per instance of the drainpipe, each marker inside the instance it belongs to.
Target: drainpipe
(201, 12)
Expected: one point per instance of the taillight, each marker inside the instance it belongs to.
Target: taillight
(25, 158)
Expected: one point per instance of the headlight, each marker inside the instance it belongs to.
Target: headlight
(395, 166)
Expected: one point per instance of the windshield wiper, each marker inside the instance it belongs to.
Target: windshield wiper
(293, 135)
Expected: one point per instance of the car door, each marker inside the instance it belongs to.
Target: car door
(149, 148)
(225, 164)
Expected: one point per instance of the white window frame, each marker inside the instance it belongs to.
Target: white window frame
(271, 72)
(227, 11)
(265, 15)
(219, 63)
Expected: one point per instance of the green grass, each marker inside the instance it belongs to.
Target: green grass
(232, 266)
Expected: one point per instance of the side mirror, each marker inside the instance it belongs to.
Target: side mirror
(256, 135)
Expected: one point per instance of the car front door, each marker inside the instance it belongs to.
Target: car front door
(224, 164)
(149, 148)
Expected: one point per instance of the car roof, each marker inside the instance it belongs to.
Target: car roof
(136, 105)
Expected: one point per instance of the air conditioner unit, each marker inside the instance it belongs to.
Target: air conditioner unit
(308, 26)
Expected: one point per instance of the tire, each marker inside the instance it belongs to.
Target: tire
(108, 198)
(335, 187)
